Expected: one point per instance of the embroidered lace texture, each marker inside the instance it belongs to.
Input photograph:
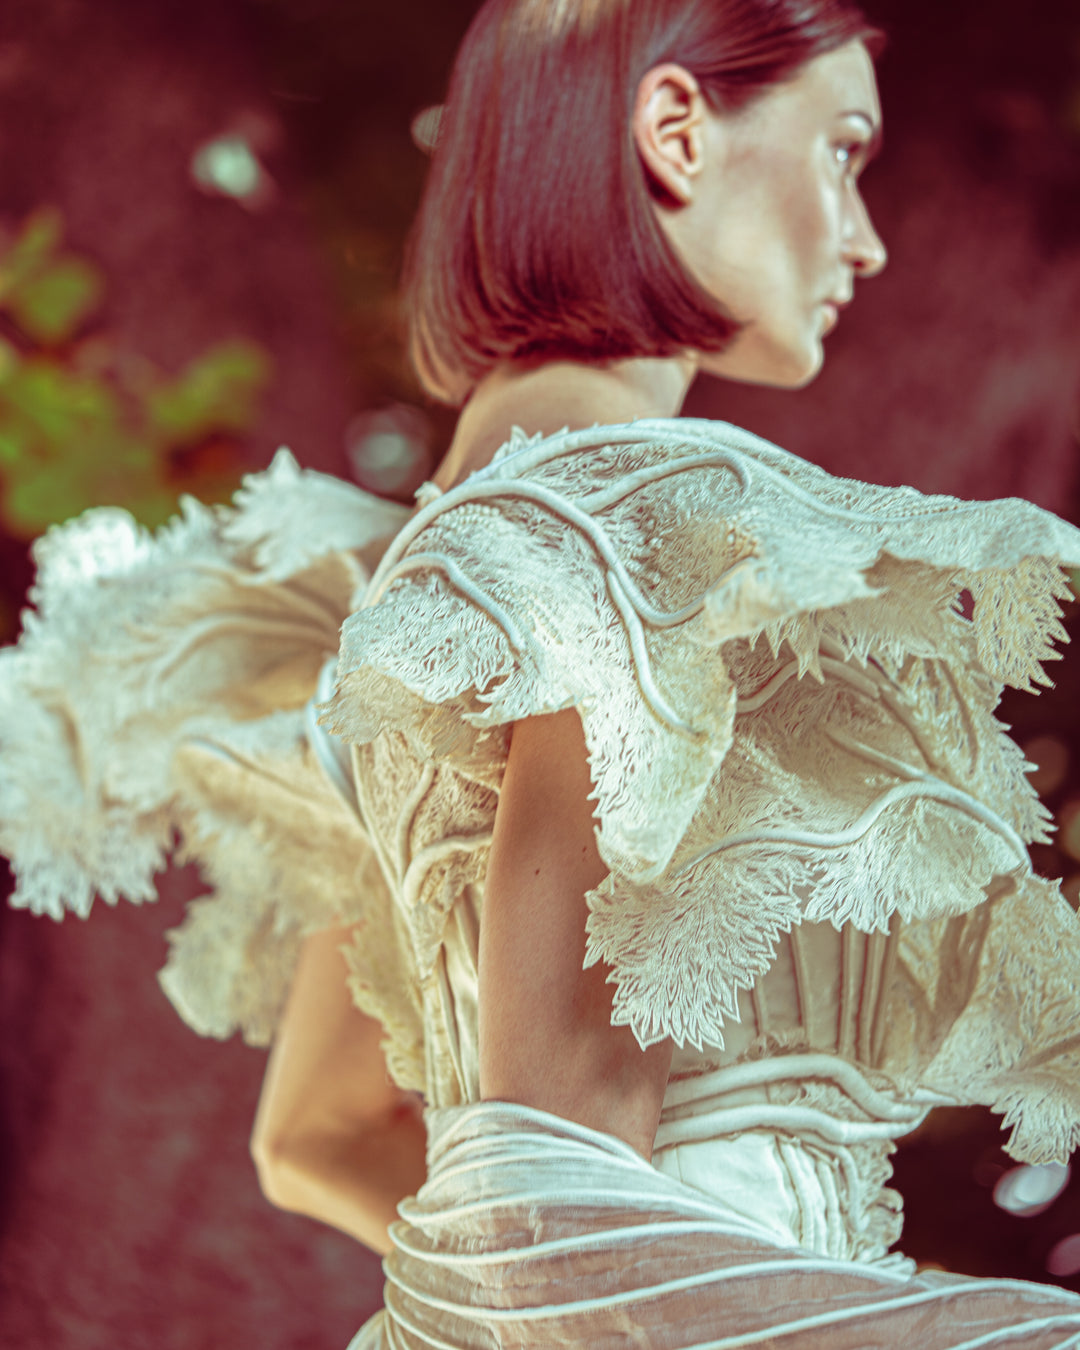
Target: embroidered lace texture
(815, 827)
(789, 720)
(160, 689)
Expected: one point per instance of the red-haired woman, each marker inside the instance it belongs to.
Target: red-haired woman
(655, 797)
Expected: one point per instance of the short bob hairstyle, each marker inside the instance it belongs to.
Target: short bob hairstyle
(536, 238)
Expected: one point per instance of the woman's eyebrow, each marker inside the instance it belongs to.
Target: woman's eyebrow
(873, 148)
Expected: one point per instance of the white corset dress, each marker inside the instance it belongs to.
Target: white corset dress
(815, 830)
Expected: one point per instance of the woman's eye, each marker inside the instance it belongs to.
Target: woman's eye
(848, 153)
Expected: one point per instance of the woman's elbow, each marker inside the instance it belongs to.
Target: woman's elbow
(275, 1168)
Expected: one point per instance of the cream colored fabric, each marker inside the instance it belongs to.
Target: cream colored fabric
(815, 827)
(789, 722)
(160, 688)
(532, 1231)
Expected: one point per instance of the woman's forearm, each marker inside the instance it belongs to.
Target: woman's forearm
(333, 1137)
(353, 1183)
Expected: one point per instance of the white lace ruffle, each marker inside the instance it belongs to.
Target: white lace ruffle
(159, 688)
(788, 717)
(787, 714)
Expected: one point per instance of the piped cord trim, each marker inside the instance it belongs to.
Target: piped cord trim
(558, 505)
(841, 669)
(633, 609)
(425, 859)
(801, 1121)
(654, 430)
(635, 633)
(785, 1068)
(605, 498)
(407, 815)
(1066, 1320)
(660, 431)
(555, 1311)
(871, 682)
(954, 796)
(439, 562)
(924, 786)
(629, 1235)
(521, 644)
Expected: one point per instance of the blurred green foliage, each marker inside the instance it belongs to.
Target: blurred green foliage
(82, 424)
(46, 293)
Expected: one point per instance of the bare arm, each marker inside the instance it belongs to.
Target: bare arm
(334, 1139)
(546, 1038)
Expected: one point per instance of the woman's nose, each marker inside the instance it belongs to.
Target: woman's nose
(863, 248)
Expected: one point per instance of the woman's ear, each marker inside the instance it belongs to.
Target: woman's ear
(669, 129)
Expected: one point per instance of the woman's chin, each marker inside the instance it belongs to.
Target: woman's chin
(797, 367)
(787, 367)
(809, 375)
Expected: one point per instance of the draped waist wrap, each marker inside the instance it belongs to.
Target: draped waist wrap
(534, 1230)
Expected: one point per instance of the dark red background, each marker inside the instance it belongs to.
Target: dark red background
(130, 1213)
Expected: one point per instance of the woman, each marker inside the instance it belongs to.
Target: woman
(655, 795)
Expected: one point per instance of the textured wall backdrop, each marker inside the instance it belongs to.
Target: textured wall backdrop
(130, 1213)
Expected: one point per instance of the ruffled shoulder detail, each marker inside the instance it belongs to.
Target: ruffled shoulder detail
(789, 713)
(982, 1007)
(158, 701)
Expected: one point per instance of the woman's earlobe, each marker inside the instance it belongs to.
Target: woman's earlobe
(668, 127)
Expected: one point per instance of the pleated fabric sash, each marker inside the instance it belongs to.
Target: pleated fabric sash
(534, 1231)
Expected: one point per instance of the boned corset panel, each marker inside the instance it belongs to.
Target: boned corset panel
(431, 828)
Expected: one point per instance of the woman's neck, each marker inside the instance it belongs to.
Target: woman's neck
(560, 394)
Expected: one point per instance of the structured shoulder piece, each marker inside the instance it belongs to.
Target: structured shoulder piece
(787, 684)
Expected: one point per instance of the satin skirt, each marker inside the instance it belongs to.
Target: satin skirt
(533, 1231)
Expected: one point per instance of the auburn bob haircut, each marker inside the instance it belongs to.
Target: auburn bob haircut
(536, 238)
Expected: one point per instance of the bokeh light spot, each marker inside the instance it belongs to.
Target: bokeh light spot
(1068, 823)
(388, 449)
(228, 165)
(1029, 1190)
(1064, 1257)
(1050, 756)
